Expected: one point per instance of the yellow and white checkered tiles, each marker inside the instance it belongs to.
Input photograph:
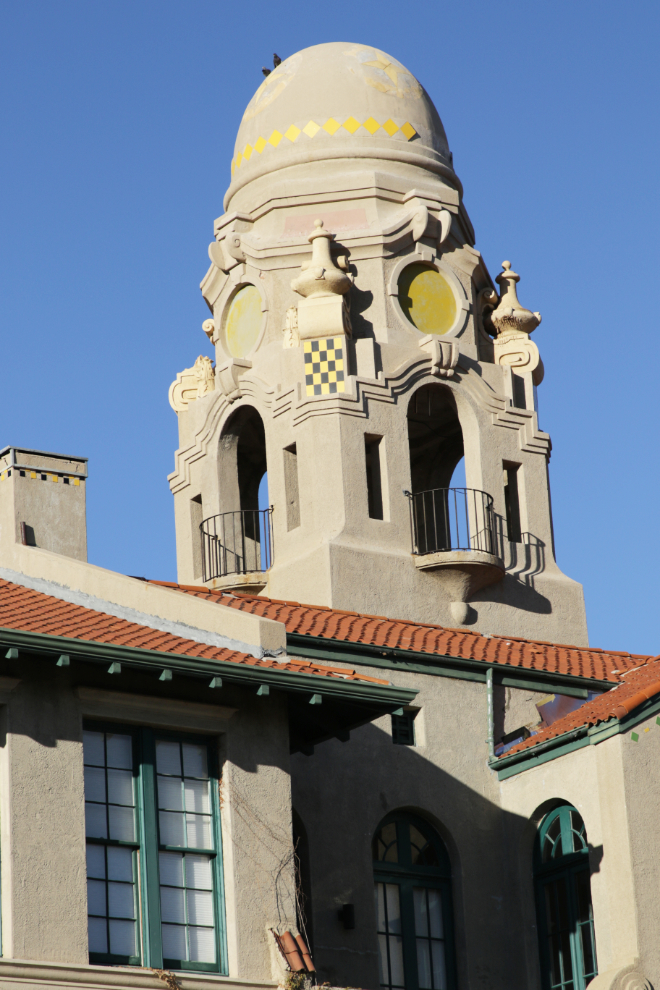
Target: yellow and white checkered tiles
(42, 476)
(324, 366)
(311, 129)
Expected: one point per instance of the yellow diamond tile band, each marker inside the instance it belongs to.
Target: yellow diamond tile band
(311, 129)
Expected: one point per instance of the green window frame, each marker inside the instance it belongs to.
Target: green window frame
(567, 942)
(414, 917)
(154, 849)
(403, 729)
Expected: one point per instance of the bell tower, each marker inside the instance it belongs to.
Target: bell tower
(363, 357)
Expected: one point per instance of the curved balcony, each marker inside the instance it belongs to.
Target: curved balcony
(453, 530)
(237, 549)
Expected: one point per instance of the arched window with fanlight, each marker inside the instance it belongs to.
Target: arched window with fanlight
(413, 905)
(563, 901)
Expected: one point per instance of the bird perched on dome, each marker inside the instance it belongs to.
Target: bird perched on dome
(276, 61)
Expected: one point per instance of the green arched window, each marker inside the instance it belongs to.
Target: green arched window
(413, 905)
(563, 901)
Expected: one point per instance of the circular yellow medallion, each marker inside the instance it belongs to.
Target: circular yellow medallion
(427, 299)
(243, 321)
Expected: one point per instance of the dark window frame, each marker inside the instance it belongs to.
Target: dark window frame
(408, 876)
(148, 846)
(564, 868)
(403, 729)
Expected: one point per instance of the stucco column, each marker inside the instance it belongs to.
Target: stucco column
(257, 836)
(44, 895)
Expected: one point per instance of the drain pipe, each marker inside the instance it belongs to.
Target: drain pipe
(491, 716)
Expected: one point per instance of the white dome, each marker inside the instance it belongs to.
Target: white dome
(339, 100)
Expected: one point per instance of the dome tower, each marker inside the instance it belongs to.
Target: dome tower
(362, 355)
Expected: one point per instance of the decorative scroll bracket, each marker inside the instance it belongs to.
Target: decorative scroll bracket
(443, 353)
(192, 383)
(228, 376)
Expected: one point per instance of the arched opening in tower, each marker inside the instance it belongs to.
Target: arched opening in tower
(435, 438)
(435, 443)
(243, 471)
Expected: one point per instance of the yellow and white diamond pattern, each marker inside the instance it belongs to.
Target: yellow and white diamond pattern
(324, 366)
(311, 129)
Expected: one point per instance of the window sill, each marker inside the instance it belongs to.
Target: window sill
(16, 973)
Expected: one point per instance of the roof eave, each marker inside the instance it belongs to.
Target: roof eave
(583, 735)
(326, 649)
(353, 703)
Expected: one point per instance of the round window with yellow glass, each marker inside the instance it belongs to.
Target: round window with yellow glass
(243, 321)
(427, 299)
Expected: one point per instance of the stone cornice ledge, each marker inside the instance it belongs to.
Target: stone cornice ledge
(26, 973)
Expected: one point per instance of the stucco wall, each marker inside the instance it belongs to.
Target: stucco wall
(640, 761)
(591, 779)
(44, 906)
(344, 790)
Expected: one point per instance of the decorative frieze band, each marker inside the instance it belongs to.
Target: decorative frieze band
(311, 129)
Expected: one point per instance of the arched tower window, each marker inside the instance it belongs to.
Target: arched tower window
(238, 539)
(435, 438)
(563, 901)
(242, 460)
(413, 905)
(435, 442)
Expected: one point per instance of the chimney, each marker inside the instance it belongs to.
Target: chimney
(42, 500)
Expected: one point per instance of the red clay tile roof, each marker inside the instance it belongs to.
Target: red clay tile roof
(637, 687)
(351, 627)
(32, 611)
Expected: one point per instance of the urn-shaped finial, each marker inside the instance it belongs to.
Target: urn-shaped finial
(320, 276)
(510, 316)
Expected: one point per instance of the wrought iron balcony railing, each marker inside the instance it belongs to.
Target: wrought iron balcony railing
(445, 519)
(237, 543)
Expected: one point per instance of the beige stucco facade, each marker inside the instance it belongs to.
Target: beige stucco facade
(44, 898)
(489, 828)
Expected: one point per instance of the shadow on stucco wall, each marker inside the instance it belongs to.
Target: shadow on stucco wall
(344, 790)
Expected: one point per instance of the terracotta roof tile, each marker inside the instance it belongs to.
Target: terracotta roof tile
(32, 611)
(352, 627)
(640, 684)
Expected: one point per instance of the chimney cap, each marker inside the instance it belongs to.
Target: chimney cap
(17, 461)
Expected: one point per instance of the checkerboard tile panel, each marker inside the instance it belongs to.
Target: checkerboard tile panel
(324, 366)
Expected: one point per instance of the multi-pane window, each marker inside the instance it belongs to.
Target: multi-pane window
(154, 868)
(563, 898)
(390, 939)
(186, 878)
(413, 906)
(429, 937)
(111, 854)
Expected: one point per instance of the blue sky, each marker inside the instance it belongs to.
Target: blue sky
(118, 120)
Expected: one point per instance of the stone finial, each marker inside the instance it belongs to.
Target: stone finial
(320, 276)
(513, 325)
(323, 287)
(510, 315)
